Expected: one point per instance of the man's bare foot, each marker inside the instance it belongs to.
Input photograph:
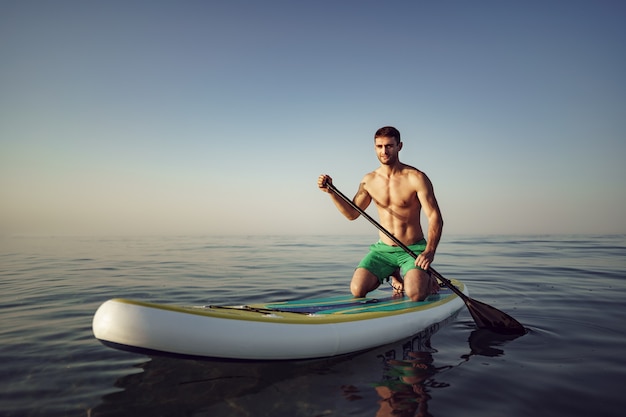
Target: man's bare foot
(397, 282)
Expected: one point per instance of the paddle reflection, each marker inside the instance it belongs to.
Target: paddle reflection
(484, 342)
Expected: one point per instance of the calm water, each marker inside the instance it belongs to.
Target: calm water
(569, 291)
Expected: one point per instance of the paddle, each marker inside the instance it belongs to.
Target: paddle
(485, 316)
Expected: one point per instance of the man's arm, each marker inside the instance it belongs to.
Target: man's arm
(429, 203)
(362, 198)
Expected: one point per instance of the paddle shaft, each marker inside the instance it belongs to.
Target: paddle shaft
(446, 281)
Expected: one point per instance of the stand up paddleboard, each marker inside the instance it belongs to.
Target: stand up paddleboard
(290, 330)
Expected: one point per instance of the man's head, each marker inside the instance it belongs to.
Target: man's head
(388, 132)
(387, 144)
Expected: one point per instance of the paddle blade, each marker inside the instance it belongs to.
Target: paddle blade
(488, 317)
(485, 316)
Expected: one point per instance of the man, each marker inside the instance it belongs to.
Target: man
(400, 192)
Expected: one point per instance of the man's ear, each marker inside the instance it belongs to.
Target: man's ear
(400, 146)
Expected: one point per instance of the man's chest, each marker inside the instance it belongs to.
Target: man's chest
(392, 194)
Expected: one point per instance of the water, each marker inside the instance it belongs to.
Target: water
(569, 291)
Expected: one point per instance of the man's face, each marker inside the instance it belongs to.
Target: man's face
(387, 150)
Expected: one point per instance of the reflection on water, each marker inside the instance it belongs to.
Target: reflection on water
(170, 386)
(484, 342)
(407, 379)
(408, 382)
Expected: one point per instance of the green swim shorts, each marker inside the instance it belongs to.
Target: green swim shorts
(383, 260)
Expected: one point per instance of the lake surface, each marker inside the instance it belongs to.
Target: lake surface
(569, 291)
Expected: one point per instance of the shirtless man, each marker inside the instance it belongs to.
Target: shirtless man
(400, 192)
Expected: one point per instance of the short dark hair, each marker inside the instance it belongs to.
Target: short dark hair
(388, 132)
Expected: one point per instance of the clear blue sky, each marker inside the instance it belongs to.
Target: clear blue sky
(216, 117)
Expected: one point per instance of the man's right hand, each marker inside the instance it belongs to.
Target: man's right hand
(322, 182)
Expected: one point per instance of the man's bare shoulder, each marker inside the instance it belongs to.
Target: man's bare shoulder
(411, 170)
(367, 178)
(413, 173)
(416, 177)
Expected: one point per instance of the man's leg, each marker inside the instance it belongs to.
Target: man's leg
(418, 284)
(363, 281)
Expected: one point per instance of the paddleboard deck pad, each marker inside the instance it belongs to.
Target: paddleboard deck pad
(289, 330)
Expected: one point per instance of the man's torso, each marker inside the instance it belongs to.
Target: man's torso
(396, 198)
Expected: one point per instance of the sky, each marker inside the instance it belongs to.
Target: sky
(217, 117)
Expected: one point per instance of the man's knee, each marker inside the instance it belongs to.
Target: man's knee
(417, 284)
(363, 281)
